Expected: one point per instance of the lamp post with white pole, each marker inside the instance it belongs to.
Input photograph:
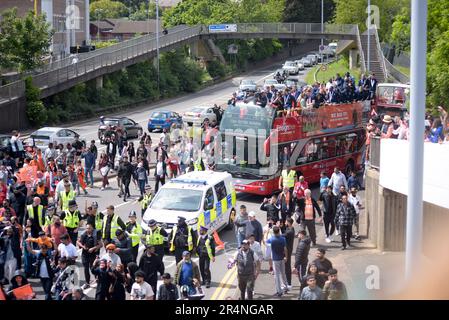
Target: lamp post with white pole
(322, 29)
(413, 246)
(157, 42)
(368, 39)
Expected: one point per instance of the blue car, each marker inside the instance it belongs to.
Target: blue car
(163, 120)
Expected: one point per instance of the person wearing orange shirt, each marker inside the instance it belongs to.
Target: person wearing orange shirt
(43, 239)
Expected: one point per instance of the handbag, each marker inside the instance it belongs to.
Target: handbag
(104, 171)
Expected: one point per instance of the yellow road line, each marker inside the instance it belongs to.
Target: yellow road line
(228, 284)
(222, 284)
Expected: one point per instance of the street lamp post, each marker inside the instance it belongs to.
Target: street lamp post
(157, 42)
(369, 39)
(413, 246)
(322, 28)
(97, 12)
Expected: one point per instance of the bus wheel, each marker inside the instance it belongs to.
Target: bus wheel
(230, 224)
(349, 167)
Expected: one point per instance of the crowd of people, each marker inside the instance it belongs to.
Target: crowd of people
(338, 207)
(335, 91)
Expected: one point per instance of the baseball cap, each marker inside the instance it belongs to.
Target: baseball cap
(166, 276)
(185, 253)
(252, 214)
(152, 222)
(118, 232)
(245, 242)
(94, 204)
(41, 233)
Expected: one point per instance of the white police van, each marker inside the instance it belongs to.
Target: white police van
(203, 198)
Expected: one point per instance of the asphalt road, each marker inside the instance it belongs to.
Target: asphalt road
(222, 279)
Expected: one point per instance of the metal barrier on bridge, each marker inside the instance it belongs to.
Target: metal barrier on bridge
(61, 71)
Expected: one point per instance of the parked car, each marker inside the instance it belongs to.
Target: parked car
(317, 55)
(130, 128)
(291, 67)
(248, 85)
(42, 137)
(164, 120)
(197, 115)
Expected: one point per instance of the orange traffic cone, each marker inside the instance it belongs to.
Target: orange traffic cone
(218, 242)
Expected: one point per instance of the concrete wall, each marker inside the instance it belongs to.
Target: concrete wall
(386, 212)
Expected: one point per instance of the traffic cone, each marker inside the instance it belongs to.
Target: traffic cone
(218, 242)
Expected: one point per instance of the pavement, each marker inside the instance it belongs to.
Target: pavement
(351, 264)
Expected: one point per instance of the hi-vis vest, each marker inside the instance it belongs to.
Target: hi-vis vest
(145, 201)
(98, 222)
(189, 238)
(47, 221)
(288, 179)
(197, 165)
(208, 246)
(66, 198)
(71, 220)
(40, 216)
(154, 237)
(135, 234)
(114, 226)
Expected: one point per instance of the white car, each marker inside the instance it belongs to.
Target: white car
(312, 58)
(248, 85)
(333, 47)
(273, 82)
(197, 115)
(291, 67)
(42, 137)
(203, 198)
(299, 64)
(306, 62)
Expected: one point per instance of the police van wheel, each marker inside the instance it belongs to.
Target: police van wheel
(230, 224)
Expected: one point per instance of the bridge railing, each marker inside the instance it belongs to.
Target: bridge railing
(12, 90)
(113, 55)
(306, 28)
(63, 70)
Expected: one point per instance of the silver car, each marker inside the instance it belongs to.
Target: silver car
(248, 85)
(312, 58)
(307, 62)
(299, 64)
(42, 137)
(197, 115)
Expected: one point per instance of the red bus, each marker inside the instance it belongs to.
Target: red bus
(315, 141)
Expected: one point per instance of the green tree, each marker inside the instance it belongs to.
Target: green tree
(354, 12)
(308, 11)
(23, 41)
(104, 9)
(144, 12)
(400, 33)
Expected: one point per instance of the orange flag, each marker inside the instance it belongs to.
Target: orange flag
(24, 292)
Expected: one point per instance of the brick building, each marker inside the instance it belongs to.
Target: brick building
(68, 18)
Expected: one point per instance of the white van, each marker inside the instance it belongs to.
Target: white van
(204, 198)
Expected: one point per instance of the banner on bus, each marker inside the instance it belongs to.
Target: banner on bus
(326, 119)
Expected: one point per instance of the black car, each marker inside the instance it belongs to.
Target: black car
(130, 128)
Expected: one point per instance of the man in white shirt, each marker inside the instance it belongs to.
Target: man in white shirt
(337, 180)
(354, 199)
(258, 254)
(141, 290)
(67, 249)
(50, 152)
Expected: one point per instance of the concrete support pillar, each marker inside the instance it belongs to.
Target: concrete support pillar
(193, 50)
(99, 82)
(353, 54)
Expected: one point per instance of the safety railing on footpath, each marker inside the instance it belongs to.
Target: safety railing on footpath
(61, 71)
(359, 45)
